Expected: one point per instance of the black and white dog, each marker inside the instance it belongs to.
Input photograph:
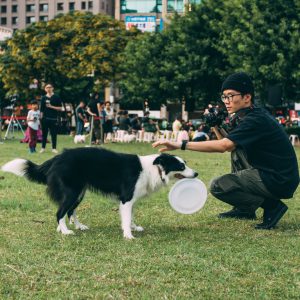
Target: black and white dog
(126, 176)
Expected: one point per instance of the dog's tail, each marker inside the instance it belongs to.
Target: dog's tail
(32, 171)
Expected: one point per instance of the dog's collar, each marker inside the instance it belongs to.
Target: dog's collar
(160, 174)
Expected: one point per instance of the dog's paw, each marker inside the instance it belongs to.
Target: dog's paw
(67, 232)
(64, 232)
(81, 227)
(137, 228)
(128, 236)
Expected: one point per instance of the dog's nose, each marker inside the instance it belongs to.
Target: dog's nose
(195, 174)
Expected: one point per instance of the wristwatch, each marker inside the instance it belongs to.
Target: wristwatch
(183, 145)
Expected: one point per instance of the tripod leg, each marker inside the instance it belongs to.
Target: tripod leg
(20, 126)
(9, 127)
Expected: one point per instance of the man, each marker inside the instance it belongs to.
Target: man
(80, 117)
(176, 125)
(264, 164)
(51, 104)
(95, 108)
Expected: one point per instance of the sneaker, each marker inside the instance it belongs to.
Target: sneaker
(54, 151)
(235, 213)
(272, 217)
(42, 150)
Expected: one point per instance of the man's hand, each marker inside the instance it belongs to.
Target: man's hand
(168, 146)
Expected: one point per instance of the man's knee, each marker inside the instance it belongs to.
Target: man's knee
(215, 187)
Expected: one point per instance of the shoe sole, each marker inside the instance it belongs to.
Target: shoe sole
(276, 220)
(220, 216)
(237, 218)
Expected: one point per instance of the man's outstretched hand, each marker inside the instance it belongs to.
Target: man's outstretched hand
(168, 146)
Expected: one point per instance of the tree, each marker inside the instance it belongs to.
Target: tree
(262, 38)
(192, 56)
(180, 63)
(64, 51)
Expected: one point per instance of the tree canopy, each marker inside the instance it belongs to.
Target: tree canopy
(64, 51)
(193, 55)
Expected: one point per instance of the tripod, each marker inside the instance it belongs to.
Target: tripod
(11, 126)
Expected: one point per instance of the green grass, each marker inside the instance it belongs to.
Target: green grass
(176, 257)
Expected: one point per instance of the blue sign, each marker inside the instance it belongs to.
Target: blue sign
(143, 23)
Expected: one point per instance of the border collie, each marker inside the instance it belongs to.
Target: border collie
(126, 176)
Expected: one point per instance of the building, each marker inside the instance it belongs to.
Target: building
(5, 33)
(17, 14)
(149, 15)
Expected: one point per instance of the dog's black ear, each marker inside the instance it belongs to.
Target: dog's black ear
(158, 160)
(162, 159)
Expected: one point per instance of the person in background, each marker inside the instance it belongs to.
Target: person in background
(135, 123)
(102, 117)
(151, 126)
(176, 126)
(94, 110)
(51, 105)
(201, 134)
(80, 117)
(145, 119)
(264, 163)
(33, 121)
(110, 116)
(184, 134)
(124, 121)
(164, 124)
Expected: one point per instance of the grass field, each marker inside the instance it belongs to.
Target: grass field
(176, 257)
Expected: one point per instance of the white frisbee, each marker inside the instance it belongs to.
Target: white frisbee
(188, 196)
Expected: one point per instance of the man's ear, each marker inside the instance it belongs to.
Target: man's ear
(248, 97)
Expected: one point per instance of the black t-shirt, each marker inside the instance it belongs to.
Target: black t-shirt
(269, 150)
(93, 106)
(80, 110)
(49, 113)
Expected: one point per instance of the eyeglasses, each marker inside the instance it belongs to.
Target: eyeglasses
(229, 97)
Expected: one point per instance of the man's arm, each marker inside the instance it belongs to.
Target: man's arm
(220, 146)
(58, 108)
(54, 107)
(90, 112)
(80, 115)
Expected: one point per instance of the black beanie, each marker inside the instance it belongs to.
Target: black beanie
(240, 82)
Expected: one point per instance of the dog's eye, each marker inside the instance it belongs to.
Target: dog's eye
(182, 167)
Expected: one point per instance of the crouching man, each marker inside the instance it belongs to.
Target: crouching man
(264, 163)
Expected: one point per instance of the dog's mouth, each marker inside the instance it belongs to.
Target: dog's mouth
(179, 176)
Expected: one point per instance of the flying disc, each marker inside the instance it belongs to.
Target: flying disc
(188, 196)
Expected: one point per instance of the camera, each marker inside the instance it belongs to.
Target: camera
(215, 117)
(13, 99)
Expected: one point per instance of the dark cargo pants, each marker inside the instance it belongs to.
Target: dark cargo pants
(243, 188)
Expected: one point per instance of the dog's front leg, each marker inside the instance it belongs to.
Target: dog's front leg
(126, 214)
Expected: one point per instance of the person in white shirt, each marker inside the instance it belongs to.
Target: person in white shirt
(176, 126)
(33, 121)
(109, 119)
